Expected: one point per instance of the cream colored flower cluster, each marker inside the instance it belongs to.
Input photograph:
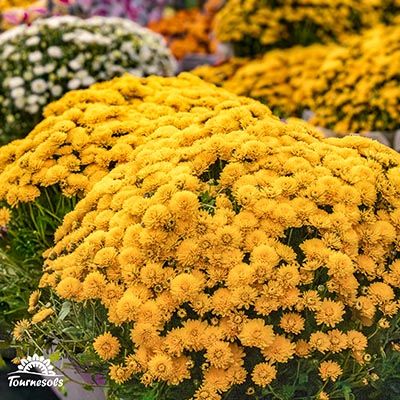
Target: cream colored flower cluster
(42, 61)
(232, 243)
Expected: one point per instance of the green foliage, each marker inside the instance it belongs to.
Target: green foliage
(29, 233)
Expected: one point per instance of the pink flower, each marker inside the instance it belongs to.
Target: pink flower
(141, 11)
(66, 2)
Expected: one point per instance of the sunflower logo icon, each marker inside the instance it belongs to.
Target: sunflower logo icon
(41, 364)
(36, 365)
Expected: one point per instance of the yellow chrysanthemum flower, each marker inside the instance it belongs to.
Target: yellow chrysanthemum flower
(263, 374)
(42, 315)
(20, 329)
(106, 346)
(119, 373)
(33, 300)
(292, 323)
(69, 288)
(329, 312)
(5, 216)
(330, 370)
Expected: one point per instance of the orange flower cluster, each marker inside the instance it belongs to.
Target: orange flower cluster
(187, 32)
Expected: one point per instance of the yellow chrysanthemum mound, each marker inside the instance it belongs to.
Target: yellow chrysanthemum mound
(282, 79)
(256, 25)
(235, 238)
(357, 89)
(89, 132)
(219, 74)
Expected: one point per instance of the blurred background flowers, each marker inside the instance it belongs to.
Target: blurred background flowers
(227, 233)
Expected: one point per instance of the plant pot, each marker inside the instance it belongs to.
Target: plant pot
(79, 384)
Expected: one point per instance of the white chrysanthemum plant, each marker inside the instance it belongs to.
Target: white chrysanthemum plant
(40, 62)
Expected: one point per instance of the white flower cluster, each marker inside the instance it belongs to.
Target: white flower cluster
(40, 62)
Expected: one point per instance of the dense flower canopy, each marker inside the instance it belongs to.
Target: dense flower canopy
(281, 79)
(357, 89)
(218, 74)
(256, 25)
(87, 133)
(232, 243)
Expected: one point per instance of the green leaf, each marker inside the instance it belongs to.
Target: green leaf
(55, 356)
(63, 390)
(287, 391)
(65, 309)
(348, 395)
(303, 378)
(2, 362)
(148, 396)
(71, 330)
(87, 358)
(4, 345)
(88, 387)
